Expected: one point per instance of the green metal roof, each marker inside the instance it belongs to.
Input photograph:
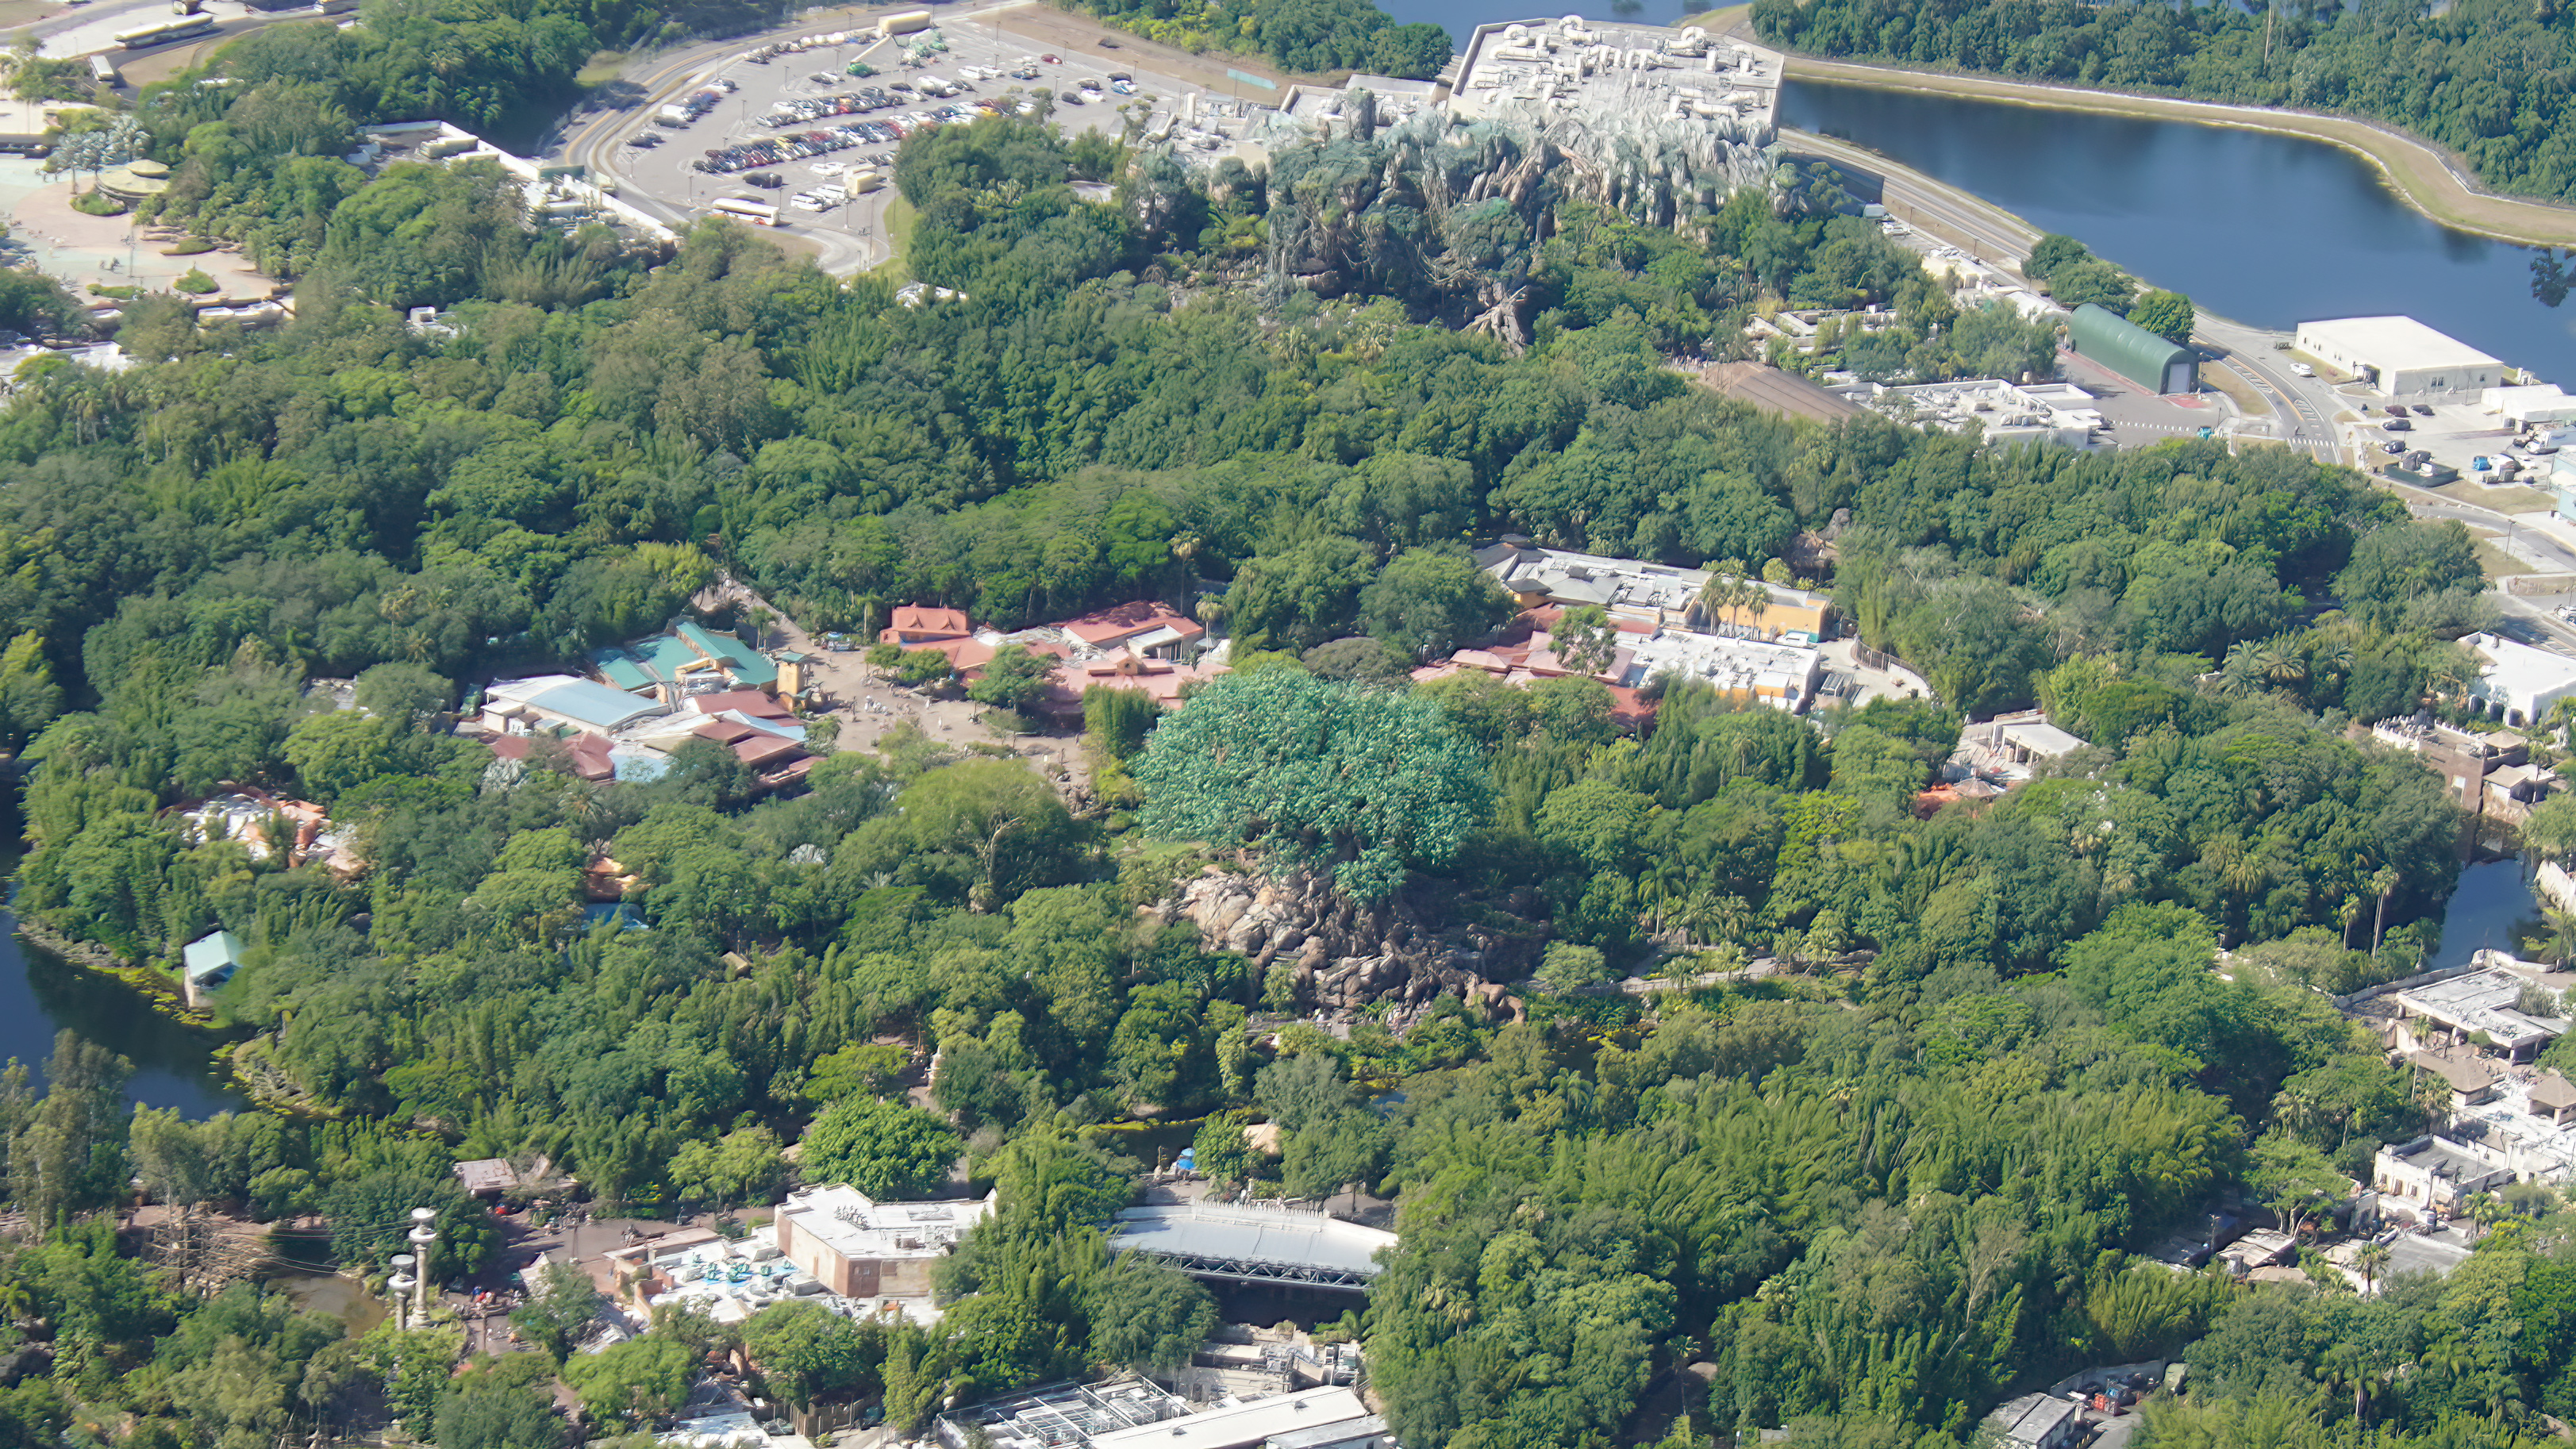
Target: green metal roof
(620, 669)
(665, 655)
(2125, 347)
(739, 661)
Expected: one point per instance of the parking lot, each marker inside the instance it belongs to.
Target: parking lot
(799, 131)
(2452, 435)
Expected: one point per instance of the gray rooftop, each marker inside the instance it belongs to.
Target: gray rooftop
(1254, 1244)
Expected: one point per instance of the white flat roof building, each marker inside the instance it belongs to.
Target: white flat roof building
(2535, 403)
(2518, 683)
(2007, 412)
(1261, 1422)
(2399, 356)
(861, 1248)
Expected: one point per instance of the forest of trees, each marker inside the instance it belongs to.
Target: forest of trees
(1876, 1191)
(1304, 36)
(2481, 77)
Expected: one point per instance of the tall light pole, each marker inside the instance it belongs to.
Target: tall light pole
(424, 1242)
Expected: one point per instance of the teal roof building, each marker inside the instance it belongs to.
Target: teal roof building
(2132, 351)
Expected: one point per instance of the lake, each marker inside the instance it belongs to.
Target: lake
(41, 994)
(2267, 230)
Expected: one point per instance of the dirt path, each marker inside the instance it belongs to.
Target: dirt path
(2423, 176)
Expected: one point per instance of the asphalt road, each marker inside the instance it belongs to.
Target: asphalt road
(92, 29)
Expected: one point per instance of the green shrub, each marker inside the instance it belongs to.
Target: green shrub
(196, 283)
(193, 246)
(97, 203)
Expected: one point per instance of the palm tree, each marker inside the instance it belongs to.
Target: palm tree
(2486, 1210)
(2382, 882)
(2372, 1260)
(2344, 1367)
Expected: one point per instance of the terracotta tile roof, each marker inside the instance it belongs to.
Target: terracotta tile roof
(750, 701)
(1109, 626)
(921, 622)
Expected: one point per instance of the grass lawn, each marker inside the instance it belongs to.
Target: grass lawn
(602, 68)
(2502, 500)
(899, 217)
(2223, 378)
(2498, 563)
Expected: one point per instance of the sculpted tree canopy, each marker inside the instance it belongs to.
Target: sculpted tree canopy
(1317, 773)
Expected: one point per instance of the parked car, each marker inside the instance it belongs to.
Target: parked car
(2392, 447)
(2398, 425)
(2397, 410)
(766, 180)
(2301, 369)
(2423, 410)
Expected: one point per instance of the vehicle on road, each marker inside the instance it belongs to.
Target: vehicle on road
(1051, 60)
(2301, 369)
(144, 37)
(103, 71)
(744, 208)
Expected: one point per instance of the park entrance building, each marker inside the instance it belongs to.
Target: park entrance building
(2132, 351)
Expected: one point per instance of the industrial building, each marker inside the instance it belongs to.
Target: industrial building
(2399, 356)
(1133, 1413)
(2132, 351)
(2005, 412)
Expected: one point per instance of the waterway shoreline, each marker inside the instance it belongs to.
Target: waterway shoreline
(2427, 179)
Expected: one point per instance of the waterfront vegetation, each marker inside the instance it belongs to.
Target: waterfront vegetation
(1307, 36)
(1877, 1190)
(2477, 77)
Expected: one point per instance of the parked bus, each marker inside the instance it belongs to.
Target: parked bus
(169, 30)
(743, 208)
(103, 71)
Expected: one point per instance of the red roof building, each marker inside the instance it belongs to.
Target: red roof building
(1161, 679)
(748, 701)
(590, 758)
(916, 624)
(1148, 627)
